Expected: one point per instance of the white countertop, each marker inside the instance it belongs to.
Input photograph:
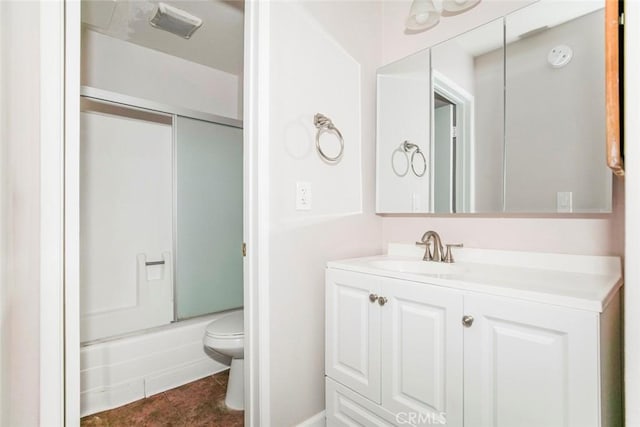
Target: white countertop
(573, 281)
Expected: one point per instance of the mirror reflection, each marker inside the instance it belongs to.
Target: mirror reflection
(468, 108)
(514, 119)
(555, 116)
(403, 151)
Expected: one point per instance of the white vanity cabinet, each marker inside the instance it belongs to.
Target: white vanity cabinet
(399, 353)
(404, 355)
(530, 365)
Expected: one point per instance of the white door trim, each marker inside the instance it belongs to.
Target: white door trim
(256, 212)
(72, 213)
(466, 148)
(51, 70)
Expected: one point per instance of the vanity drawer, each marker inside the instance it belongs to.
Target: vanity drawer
(347, 408)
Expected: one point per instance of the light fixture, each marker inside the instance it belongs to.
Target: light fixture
(456, 6)
(425, 14)
(175, 21)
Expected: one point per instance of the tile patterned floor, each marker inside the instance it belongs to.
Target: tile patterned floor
(200, 403)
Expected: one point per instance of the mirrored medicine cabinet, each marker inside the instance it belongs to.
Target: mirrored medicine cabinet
(506, 118)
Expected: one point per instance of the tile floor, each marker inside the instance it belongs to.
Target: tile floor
(200, 403)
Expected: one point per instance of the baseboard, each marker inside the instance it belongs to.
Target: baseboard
(318, 420)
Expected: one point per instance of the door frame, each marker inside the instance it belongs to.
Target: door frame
(51, 264)
(256, 212)
(465, 139)
(255, 216)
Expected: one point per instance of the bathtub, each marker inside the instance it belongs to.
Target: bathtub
(124, 369)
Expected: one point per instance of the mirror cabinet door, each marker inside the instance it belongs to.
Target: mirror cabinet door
(555, 109)
(468, 116)
(506, 118)
(403, 135)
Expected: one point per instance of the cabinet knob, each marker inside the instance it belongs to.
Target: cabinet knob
(467, 321)
(382, 300)
(373, 297)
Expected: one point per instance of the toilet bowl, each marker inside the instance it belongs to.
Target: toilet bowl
(225, 335)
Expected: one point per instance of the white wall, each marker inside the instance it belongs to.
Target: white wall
(122, 67)
(320, 61)
(3, 215)
(632, 205)
(20, 286)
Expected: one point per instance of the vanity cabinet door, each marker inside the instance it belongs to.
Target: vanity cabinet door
(529, 364)
(353, 332)
(422, 341)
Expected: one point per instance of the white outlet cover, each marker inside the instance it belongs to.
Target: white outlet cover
(303, 196)
(564, 201)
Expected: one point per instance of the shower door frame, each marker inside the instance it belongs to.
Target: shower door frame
(145, 110)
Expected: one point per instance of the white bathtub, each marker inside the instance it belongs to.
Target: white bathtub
(119, 371)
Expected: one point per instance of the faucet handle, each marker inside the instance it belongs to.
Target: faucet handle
(427, 251)
(448, 256)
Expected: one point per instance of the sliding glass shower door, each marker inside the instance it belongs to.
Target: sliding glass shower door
(208, 217)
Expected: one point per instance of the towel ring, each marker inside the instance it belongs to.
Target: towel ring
(400, 150)
(324, 124)
(424, 163)
(405, 147)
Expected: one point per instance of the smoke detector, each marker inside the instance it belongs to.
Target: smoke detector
(560, 56)
(175, 21)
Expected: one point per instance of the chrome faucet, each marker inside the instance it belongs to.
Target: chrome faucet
(438, 254)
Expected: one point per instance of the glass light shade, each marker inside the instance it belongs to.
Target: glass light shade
(458, 5)
(423, 14)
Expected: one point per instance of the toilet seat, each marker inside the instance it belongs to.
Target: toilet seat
(229, 326)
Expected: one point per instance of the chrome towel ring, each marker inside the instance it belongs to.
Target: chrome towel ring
(424, 162)
(405, 148)
(400, 150)
(324, 124)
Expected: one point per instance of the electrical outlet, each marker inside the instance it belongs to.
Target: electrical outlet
(415, 202)
(564, 201)
(303, 196)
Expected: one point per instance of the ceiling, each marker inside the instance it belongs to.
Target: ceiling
(540, 15)
(217, 44)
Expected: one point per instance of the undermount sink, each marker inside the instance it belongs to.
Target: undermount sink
(418, 267)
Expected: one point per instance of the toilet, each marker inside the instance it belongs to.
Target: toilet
(225, 335)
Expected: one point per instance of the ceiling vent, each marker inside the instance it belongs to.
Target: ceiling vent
(175, 21)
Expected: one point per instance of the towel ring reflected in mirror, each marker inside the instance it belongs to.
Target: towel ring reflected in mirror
(324, 124)
(404, 154)
(405, 148)
(424, 163)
